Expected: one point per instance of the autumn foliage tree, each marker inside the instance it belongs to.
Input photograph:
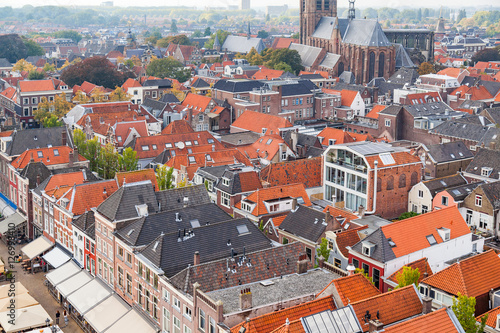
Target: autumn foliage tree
(426, 68)
(97, 70)
(49, 114)
(119, 95)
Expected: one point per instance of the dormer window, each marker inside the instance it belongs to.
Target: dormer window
(486, 171)
(444, 233)
(368, 248)
(39, 154)
(225, 181)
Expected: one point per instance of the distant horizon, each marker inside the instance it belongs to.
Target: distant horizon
(255, 4)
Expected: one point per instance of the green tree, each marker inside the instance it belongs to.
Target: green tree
(33, 48)
(487, 55)
(49, 67)
(108, 161)
(119, 95)
(93, 149)
(129, 63)
(197, 33)
(408, 277)
(153, 37)
(406, 215)
(461, 15)
(425, 68)
(221, 35)
(34, 75)
(283, 67)
(12, 47)
(464, 308)
(164, 177)
(80, 141)
(262, 34)
(128, 160)
(52, 121)
(207, 32)
(362, 271)
(323, 249)
(295, 35)
(23, 65)
(177, 39)
(173, 26)
(48, 110)
(71, 34)
(168, 68)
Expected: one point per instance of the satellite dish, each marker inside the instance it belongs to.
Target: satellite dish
(180, 145)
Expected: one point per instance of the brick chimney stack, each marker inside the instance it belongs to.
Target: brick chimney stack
(64, 138)
(351, 269)
(375, 326)
(245, 299)
(302, 264)
(426, 305)
(196, 258)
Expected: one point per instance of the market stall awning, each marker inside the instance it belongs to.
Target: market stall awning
(63, 272)
(56, 257)
(77, 281)
(12, 221)
(37, 247)
(132, 322)
(6, 289)
(21, 301)
(26, 318)
(106, 313)
(89, 295)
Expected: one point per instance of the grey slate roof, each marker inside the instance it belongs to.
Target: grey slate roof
(146, 229)
(235, 185)
(382, 251)
(402, 57)
(302, 87)
(305, 222)
(459, 193)
(440, 184)
(169, 98)
(325, 27)
(152, 104)
(161, 158)
(5, 63)
(404, 75)
(213, 173)
(388, 88)
(450, 151)
(485, 158)
(37, 138)
(428, 109)
(32, 170)
(242, 44)
(347, 77)
(330, 60)
(200, 83)
(365, 33)
(302, 139)
(174, 198)
(174, 252)
(492, 191)
(464, 131)
(86, 223)
(308, 54)
(162, 83)
(239, 85)
(238, 139)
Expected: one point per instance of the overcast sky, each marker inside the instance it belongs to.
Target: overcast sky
(254, 3)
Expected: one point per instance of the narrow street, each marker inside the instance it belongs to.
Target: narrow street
(35, 285)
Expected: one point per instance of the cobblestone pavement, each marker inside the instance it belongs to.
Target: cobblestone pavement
(36, 288)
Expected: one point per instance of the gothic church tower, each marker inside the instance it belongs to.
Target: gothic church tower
(311, 12)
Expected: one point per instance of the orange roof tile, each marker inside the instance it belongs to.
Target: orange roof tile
(283, 43)
(339, 136)
(9, 92)
(324, 74)
(278, 219)
(124, 129)
(375, 110)
(256, 121)
(477, 93)
(346, 96)
(291, 327)
(354, 288)
(473, 277)
(334, 211)
(270, 321)
(265, 73)
(451, 71)
(36, 85)
(65, 179)
(130, 83)
(137, 176)
(178, 127)
(423, 267)
(197, 103)
(249, 181)
(348, 238)
(400, 158)
(86, 196)
(492, 317)
(276, 192)
(392, 306)
(410, 234)
(306, 171)
(266, 147)
(422, 98)
(435, 322)
(48, 156)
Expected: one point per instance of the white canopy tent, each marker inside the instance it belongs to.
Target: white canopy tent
(14, 220)
(106, 313)
(132, 322)
(89, 295)
(18, 287)
(63, 272)
(77, 281)
(56, 257)
(37, 247)
(26, 318)
(21, 301)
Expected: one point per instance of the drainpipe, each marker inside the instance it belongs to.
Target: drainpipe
(374, 190)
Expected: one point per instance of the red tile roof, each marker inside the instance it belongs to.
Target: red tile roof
(393, 306)
(339, 136)
(283, 43)
(265, 73)
(346, 96)
(49, 156)
(422, 98)
(65, 179)
(114, 54)
(178, 127)
(423, 267)
(256, 121)
(266, 147)
(324, 74)
(270, 321)
(477, 93)
(273, 193)
(136, 176)
(472, 277)
(101, 122)
(36, 85)
(87, 87)
(9, 92)
(348, 238)
(197, 103)
(492, 317)
(291, 327)
(86, 196)
(375, 110)
(249, 181)
(354, 288)
(435, 322)
(130, 83)
(451, 71)
(124, 129)
(334, 211)
(306, 171)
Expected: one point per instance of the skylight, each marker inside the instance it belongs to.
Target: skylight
(456, 192)
(391, 242)
(431, 240)
(269, 141)
(40, 154)
(168, 145)
(242, 229)
(56, 152)
(195, 223)
(210, 140)
(443, 183)
(192, 159)
(387, 158)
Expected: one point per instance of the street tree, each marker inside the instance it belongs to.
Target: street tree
(168, 68)
(323, 250)
(128, 160)
(464, 308)
(164, 177)
(119, 95)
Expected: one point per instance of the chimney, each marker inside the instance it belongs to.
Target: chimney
(375, 326)
(282, 146)
(350, 269)
(71, 158)
(185, 201)
(426, 305)
(245, 299)
(328, 217)
(294, 204)
(295, 138)
(321, 261)
(302, 264)
(361, 210)
(38, 180)
(196, 260)
(492, 145)
(63, 138)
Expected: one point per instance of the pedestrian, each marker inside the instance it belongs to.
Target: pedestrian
(66, 319)
(58, 314)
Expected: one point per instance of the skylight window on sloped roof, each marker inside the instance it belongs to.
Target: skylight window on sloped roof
(456, 192)
(443, 183)
(145, 147)
(195, 142)
(39, 154)
(452, 155)
(460, 153)
(269, 141)
(168, 145)
(191, 159)
(391, 242)
(300, 200)
(242, 229)
(195, 223)
(188, 143)
(431, 240)
(210, 140)
(56, 152)
(387, 158)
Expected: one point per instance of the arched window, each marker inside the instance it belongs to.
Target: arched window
(402, 180)
(341, 68)
(371, 66)
(379, 184)
(363, 65)
(390, 183)
(414, 178)
(381, 63)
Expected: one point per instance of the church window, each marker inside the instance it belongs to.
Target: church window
(381, 63)
(371, 66)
